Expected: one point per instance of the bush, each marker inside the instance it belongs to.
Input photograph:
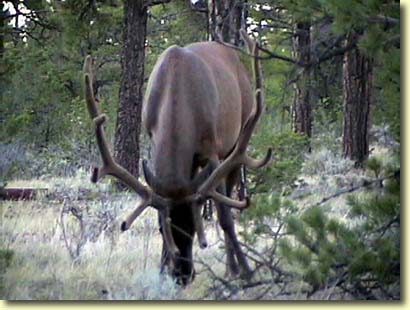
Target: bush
(6, 257)
(363, 258)
(12, 158)
(288, 149)
(325, 161)
(23, 161)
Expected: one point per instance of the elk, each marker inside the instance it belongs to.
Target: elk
(199, 111)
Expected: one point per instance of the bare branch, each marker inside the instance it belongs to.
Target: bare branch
(271, 55)
(351, 190)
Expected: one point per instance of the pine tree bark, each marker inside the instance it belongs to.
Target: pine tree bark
(357, 91)
(128, 126)
(302, 110)
(2, 28)
(226, 18)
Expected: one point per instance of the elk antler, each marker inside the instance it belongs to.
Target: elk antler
(110, 167)
(239, 156)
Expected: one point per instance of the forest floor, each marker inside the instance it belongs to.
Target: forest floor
(67, 243)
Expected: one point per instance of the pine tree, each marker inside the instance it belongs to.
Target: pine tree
(128, 127)
(303, 114)
(360, 257)
(358, 90)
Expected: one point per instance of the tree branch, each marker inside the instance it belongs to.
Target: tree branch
(156, 2)
(350, 190)
(386, 21)
(270, 54)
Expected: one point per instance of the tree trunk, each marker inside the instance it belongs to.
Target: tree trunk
(128, 125)
(302, 111)
(357, 88)
(226, 18)
(2, 31)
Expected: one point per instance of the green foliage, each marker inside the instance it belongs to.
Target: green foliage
(271, 184)
(381, 43)
(288, 149)
(364, 257)
(387, 80)
(6, 257)
(42, 105)
(173, 24)
(42, 102)
(375, 165)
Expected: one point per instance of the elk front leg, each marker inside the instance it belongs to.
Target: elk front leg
(166, 262)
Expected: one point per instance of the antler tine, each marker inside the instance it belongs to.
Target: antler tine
(236, 204)
(237, 157)
(110, 167)
(167, 233)
(199, 226)
(125, 225)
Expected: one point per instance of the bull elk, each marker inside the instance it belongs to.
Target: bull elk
(199, 112)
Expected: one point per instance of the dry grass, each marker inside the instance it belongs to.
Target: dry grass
(57, 258)
(44, 235)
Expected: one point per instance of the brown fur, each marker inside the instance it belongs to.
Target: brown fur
(197, 100)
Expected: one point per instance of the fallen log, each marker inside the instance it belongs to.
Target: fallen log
(20, 193)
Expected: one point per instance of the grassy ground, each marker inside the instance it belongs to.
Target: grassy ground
(66, 244)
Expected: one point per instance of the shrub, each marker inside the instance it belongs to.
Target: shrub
(288, 148)
(6, 257)
(12, 158)
(24, 161)
(324, 161)
(363, 258)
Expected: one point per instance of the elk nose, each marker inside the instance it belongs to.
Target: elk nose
(174, 191)
(178, 193)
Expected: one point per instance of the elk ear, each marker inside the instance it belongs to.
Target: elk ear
(149, 177)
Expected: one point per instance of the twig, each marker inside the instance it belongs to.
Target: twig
(156, 2)
(350, 190)
(67, 245)
(382, 230)
(214, 276)
(270, 53)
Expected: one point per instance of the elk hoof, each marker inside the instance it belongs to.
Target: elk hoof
(124, 226)
(94, 176)
(203, 244)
